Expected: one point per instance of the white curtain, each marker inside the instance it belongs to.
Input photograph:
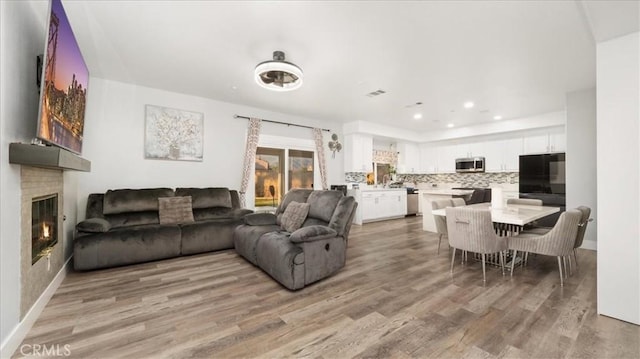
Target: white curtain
(249, 158)
(317, 138)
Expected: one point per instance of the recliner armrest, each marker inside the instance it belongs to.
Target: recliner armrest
(94, 225)
(240, 212)
(260, 219)
(312, 233)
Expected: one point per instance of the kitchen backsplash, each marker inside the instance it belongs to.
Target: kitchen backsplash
(464, 179)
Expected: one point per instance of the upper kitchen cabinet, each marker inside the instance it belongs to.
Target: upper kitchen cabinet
(551, 141)
(428, 158)
(503, 155)
(472, 149)
(408, 158)
(358, 153)
(447, 155)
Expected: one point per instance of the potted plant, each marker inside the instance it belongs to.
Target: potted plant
(392, 172)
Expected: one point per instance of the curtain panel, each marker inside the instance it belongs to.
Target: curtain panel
(253, 134)
(318, 139)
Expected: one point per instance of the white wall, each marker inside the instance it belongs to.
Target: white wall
(618, 126)
(581, 157)
(114, 141)
(22, 39)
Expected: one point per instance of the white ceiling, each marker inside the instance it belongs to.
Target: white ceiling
(512, 58)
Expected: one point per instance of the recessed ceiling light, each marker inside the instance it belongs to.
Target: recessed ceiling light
(450, 125)
(417, 116)
(469, 104)
(497, 117)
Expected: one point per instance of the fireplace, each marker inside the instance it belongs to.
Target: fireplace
(44, 226)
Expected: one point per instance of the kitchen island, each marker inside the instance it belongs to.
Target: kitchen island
(430, 195)
(377, 204)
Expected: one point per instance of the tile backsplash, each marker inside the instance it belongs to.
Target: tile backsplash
(464, 179)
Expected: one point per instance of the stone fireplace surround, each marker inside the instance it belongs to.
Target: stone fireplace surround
(37, 182)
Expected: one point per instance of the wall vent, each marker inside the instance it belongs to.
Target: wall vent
(376, 93)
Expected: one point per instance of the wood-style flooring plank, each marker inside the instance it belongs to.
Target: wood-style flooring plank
(395, 298)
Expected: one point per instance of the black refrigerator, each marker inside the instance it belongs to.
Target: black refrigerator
(543, 176)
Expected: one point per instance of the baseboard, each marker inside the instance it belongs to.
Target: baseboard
(18, 334)
(591, 245)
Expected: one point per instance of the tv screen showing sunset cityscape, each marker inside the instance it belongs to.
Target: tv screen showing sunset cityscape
(64, 86)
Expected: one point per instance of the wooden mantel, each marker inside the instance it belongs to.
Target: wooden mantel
(47, 157)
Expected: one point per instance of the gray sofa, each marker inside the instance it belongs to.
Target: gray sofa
(123, 226)
(306, 255)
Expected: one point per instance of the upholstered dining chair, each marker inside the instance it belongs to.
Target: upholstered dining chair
(582, 228)
(525, 201)
(471, 229)
(441, 222)
(558, 242)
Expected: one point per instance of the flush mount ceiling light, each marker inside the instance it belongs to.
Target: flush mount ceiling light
(469, 104)
(278, 74)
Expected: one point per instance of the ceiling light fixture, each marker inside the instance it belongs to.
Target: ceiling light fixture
(278, 74)
(450, 125)
(469, 104)
(497, 117)
(417, 116)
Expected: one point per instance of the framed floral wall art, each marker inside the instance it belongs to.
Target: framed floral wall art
(172, 134)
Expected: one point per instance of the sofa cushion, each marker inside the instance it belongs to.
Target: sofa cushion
(94, 225)
(126, 246)
(134, 200)
(294, 216)
(207, 197)
(203, 214)
(133, 219)
(323, 204)
(295, 195)
(175, 210)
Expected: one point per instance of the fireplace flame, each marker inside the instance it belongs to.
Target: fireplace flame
(45, 230)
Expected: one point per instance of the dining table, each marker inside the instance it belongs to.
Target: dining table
(513, 214)
(509, 220)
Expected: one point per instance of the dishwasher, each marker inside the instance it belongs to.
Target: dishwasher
(412, 201)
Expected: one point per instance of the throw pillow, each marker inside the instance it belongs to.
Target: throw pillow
(294, 216)
(175, 210)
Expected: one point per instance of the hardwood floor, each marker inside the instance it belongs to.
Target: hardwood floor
(395, 298)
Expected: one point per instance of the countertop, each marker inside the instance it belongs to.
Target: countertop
(449, 192)
(371, 189)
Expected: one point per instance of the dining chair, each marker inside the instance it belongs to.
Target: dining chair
(525, 201)
(582, 228)
(441, 222)
(558, 242)
(471, 229)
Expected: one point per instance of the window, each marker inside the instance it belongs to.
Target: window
(276, 167)
(300, 169)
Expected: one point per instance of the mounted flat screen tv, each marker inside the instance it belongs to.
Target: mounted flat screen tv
(63, 89)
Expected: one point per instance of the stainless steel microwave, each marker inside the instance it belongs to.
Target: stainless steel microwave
(473, 164)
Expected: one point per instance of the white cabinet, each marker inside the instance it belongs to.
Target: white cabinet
(428, 159)
(358, 150)
(503, 155)
(554, 141)
(557, 142)
(473, 149)
(408, 158)
(377, 205)
(447, 155)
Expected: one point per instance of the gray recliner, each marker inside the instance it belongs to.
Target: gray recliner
(313, 252)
